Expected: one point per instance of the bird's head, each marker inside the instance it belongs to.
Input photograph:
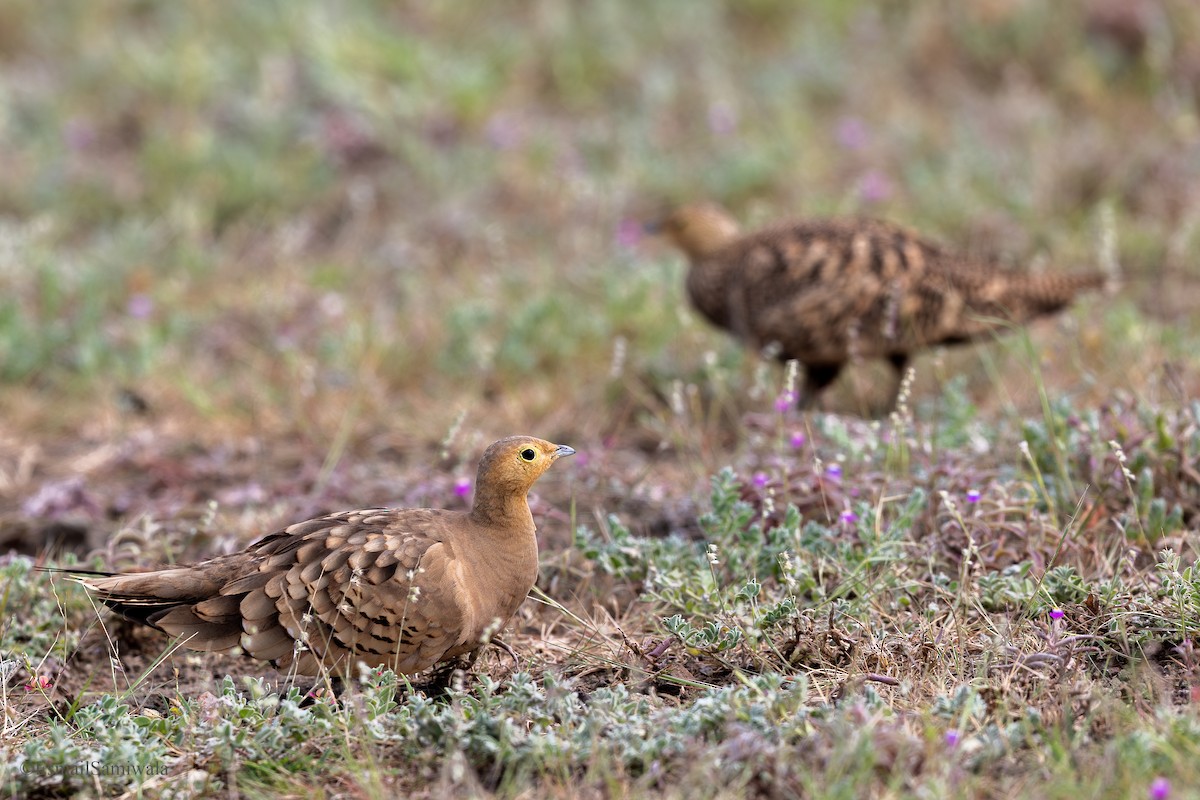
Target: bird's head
(514, 464)
(699, 230)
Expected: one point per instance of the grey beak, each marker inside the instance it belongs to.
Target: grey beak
(563, 450)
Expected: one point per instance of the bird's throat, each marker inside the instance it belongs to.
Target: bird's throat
(500, 509)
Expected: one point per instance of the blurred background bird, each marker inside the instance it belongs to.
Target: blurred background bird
(826, 291)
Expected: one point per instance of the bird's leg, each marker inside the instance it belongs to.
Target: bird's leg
(333, 686)
(899, 362)
(503, 645)
(443, 677)
(816, 378)
(474, 655)
(450, 674)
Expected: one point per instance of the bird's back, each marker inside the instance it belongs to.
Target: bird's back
(405, 588)
(825, 290)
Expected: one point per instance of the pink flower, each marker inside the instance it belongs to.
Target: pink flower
(139, 306)
(79, 134)
(1160, 789)
(38, 683)
(973, 496)
(462, 487)
(503, 131)
(852, 133)
(849, 517)
(1057, 614)
(785, 401)
(834, 471)
(798, 440)
(760, 479)
(874, 187)
(722, 119)
(629, 233)
(952, 738)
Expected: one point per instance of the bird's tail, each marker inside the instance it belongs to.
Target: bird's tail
(187, 602)
(1038, 295)
(140, 596)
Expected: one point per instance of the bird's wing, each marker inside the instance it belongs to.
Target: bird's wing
(379, 585)
(824, 288)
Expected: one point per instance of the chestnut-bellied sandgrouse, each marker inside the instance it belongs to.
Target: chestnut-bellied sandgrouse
(824, 291)
(401, 588)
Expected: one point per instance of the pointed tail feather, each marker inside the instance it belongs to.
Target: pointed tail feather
(73, 572)
(1039, 295)
(144, 596)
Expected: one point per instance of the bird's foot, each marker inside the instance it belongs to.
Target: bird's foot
(503, 645)
(449, 675)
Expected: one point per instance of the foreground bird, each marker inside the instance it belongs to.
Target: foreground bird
(401, 588)
(824, 291)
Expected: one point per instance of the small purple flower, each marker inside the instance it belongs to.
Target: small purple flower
(973, 496)
(503, 131)
(952, 738)
(38, 683)
(874, 187)
(852, 133)
(629, 233)
(849, 517)
(722, 119)
(581, 459)
(1160, 789)
(462, 487)
(834, 471)
(79, 134)
(1057, 614)
(760, 479)
(57, 498)
(798, 440)
(245, 494)
(785, 401)
(139, 306)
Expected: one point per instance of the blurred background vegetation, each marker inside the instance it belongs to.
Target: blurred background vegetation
(258, 215)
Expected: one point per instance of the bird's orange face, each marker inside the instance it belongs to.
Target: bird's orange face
(519, 461)
(699, 229)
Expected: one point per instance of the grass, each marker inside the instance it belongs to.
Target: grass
(260, 261)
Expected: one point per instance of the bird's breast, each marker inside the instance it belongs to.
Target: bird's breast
(708, 288)
(500, 578)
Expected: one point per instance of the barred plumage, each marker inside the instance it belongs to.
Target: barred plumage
(402, 588)
(824, 291)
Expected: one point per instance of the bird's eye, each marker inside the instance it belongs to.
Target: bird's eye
(528, 454)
